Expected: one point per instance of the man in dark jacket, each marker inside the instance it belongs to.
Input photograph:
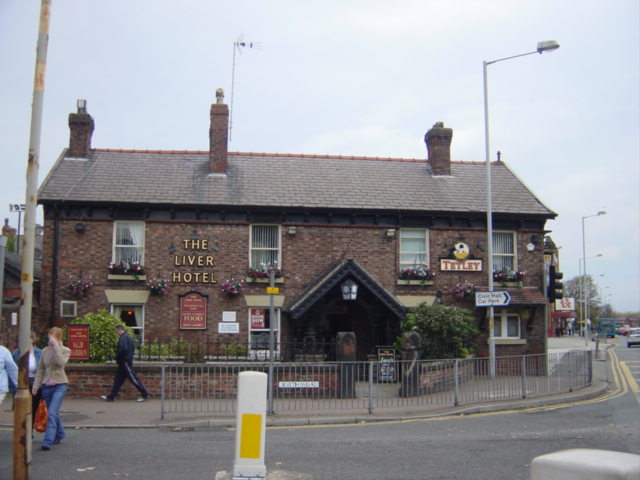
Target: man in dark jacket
(124, 359)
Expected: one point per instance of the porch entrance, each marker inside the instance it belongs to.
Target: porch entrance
(346, 299)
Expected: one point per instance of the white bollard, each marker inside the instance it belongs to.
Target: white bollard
(586, 464)
(250, 426)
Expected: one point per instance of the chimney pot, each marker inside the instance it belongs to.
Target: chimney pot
(438, 140)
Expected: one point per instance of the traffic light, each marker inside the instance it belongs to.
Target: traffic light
(554, 287)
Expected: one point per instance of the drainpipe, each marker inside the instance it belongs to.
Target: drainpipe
(54, 264)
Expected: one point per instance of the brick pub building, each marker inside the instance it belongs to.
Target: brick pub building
(394, 232)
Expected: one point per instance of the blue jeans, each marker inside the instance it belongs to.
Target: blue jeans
(53, 397)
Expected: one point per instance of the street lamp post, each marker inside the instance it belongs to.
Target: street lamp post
(584, 274)
(546, 46)
(583, 298)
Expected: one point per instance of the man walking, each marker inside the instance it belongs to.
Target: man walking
(124, 359)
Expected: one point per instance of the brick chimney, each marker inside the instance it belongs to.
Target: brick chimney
(81, 126)
(8, 231)
(218, 135)
(438, 140)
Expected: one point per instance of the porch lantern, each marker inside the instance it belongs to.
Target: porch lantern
(349, 290)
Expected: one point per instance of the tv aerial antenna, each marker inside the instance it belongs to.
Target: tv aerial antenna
(238, 46)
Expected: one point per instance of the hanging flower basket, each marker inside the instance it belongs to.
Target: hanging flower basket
(158, 286)
(464, 290)
(80, 287)
(233, 287)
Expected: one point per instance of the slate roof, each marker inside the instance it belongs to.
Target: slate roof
(285, 180)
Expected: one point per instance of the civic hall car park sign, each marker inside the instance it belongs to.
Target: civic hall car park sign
(493, 299)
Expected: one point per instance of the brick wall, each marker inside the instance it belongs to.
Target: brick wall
(305, 255)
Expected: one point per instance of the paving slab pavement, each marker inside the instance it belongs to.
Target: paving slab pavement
(95, 413)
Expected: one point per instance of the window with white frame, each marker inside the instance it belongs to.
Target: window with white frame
(132, 316)
(413, 248)
(128, 241)
(68, 308)
(506, 324)
(265, 246)
(259, 327)
(504, 252)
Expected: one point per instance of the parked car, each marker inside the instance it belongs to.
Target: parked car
(634, 337)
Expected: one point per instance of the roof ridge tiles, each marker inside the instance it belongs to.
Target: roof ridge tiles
(280, 155)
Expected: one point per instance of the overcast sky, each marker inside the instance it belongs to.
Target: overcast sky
(355, 78)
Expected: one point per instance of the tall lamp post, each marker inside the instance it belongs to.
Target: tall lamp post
(546, 46)
(584, 276)
(583, 297)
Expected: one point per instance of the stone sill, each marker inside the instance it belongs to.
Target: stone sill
(511, 341)
(507, 284)
(133, 278)
(263, 280)
(414, 282)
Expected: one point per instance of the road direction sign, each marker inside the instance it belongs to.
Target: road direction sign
(493, 299)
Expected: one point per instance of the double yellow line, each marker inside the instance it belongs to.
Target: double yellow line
(626, 377)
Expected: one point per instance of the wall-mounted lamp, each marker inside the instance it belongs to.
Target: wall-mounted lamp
(79, 227)
(391, 232)
(171, 249)
(292, 230)
(349, 290)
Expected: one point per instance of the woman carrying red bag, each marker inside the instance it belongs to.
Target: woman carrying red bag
(53, 379)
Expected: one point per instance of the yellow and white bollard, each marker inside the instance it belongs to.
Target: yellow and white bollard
(250, 426)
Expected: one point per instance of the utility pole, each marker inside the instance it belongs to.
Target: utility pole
(22, 413)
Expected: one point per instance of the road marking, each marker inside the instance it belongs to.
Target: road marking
(629, 377)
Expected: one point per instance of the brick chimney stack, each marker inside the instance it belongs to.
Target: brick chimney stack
(218, 135)
(81, 129)
(438, 140)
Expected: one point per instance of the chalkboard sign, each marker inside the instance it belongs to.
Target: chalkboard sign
(387, 365)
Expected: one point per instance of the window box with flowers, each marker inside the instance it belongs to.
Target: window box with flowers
(126, 270)
(233, 287)
(464, 290)
(158, 286)
(80, 287)
(509, 277)
(261, 274)
(417, 275)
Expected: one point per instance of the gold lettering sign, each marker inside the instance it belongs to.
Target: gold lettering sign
(193, 259)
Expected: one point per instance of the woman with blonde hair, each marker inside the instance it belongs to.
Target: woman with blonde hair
(53, 379)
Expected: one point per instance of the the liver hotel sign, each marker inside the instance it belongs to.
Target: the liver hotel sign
(193, 311)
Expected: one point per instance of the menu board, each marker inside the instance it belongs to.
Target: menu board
(78, 341)
(193, 311)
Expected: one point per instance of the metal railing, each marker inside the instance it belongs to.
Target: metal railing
(307, 388)
(210, 350)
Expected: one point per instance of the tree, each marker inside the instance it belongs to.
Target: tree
(589, 296)
(446, 332)
(102, 335)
